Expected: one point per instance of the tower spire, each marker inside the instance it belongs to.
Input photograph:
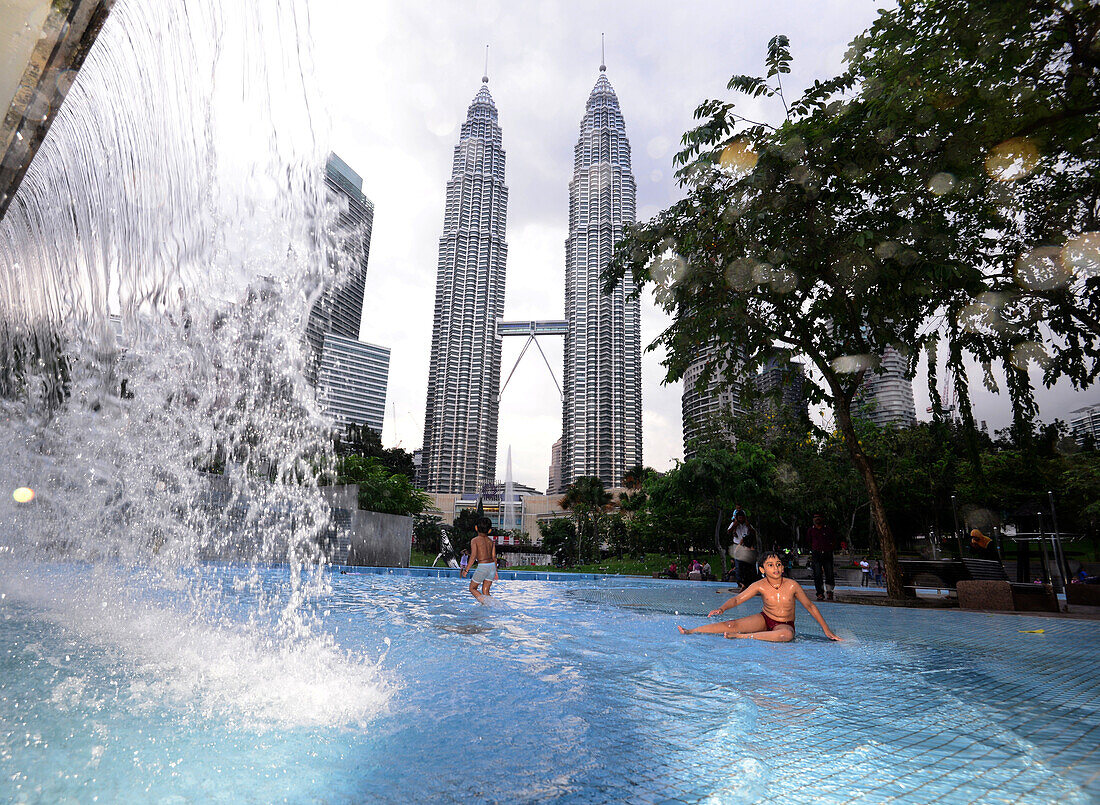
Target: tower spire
(603, 57)
(485, 77)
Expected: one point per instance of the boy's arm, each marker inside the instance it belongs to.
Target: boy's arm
(737, 600)
(811, 607)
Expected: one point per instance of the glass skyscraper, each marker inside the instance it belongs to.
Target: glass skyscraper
(886, 398)
(704, 410)
(352, 381)
(602, 409)
(460, 419)
(340, 310)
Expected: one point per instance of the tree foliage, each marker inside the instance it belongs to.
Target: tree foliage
(364, 441)
(996, 105)
(900, 198)
(380, 489)
(427, 531)
(559, 538)
(588, 499)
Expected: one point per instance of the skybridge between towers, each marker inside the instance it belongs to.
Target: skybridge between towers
(531, 329)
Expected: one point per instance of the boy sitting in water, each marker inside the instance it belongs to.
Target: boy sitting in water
(776, 622)
(483, 551)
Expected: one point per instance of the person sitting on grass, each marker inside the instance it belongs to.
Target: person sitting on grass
(775, 623)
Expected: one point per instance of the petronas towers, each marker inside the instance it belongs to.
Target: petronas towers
(460, 418)
(601, 410)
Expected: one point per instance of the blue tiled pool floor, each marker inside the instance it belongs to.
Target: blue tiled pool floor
(578, 690)
(943, 694)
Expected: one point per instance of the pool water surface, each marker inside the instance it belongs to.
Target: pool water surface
(560, 691)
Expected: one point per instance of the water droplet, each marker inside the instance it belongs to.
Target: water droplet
(1011, 160)
(793, 149)
(886, 249)
(941, 184)
(850, 364)
(857, 271)
(738, 157)
(1081, 255)
(740, 274)
(1029, 351)
(1042, 269)
(668, 269)
(783, 280)
(658, 146)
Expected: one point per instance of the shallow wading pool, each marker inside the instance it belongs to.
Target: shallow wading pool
(573, 691)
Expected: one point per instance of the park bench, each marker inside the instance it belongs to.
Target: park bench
(979, 583)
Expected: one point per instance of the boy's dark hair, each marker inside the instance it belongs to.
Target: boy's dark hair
(484, 525)
(761, 560)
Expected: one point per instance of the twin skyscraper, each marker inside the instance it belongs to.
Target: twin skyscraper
(602, 398)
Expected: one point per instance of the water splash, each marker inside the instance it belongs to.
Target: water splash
(156, 269)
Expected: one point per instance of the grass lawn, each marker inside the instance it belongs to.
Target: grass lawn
(421, 559)
(652, 563)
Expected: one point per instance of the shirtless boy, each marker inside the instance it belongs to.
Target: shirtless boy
(776, 622)
(483, 551)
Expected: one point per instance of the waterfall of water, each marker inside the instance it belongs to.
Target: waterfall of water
(156, 268)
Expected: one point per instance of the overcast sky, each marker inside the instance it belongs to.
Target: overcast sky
(397, 78)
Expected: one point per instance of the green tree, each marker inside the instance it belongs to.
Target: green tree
(779, 245)
(427, 530)
(1080, 496)
(364, 441)
(559, 538)
(992, 106)
(380, 490)
(464, 527)
(587, 498)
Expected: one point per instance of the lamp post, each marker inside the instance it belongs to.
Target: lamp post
(958, 540)
(1059, 554)
(1043, 549)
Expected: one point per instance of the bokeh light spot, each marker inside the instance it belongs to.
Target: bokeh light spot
(1023, 354)
(1011, 160)
(741, 274)
(1081, 255)
(941, 184)
(850, 364)
(23, 494)
(738, 157)
(1042, 269)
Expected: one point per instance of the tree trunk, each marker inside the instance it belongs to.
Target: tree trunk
(843, 412)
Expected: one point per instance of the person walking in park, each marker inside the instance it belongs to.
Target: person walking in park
(483, 551)
(744, 549)
(864, 573)
(822, 544)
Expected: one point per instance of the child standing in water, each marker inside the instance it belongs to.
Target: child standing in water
(483, 551)
(775, 623)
